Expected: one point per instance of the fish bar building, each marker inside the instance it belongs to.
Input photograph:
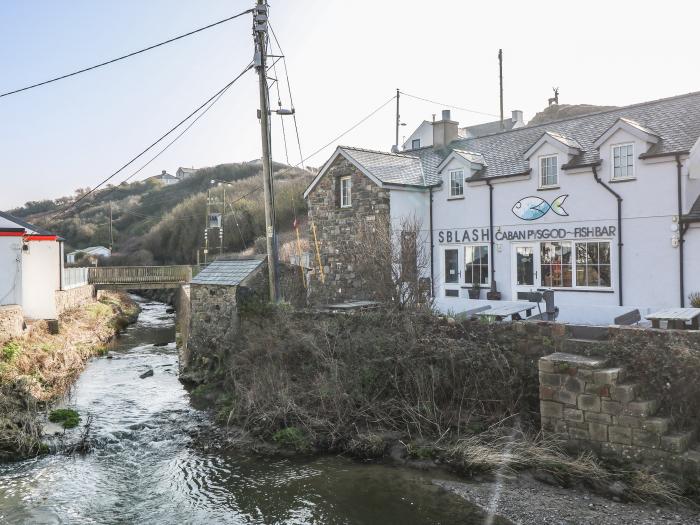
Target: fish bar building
(603, 208)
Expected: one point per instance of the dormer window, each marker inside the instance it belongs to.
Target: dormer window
(623, 161)
(456, 183)
(549, 171)
(415, 144)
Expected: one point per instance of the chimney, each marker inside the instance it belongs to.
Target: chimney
(444, 131)
(163, 172)
(517, 117)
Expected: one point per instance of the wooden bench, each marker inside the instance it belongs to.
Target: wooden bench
(631, 317)
(677, 318)
(509, 310)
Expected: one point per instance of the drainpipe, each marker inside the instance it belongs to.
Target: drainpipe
(619, 229)
(491, 239)
(432, 268)
(681, 230)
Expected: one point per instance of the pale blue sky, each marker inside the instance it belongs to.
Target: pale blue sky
(345, 58)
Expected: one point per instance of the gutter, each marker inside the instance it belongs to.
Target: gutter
(681, 230)
(498, 177)
(667, 154)
(619, 229)
(491, 239)
(432, 247)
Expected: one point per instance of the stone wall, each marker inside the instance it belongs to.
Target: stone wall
(337, 230)
(11, 322)
(183, 316)
(589, 403)
(74, 297)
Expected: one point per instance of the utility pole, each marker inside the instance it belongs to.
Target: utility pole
(398, 119)
(500, 79)
(260, 36)
(111, 235)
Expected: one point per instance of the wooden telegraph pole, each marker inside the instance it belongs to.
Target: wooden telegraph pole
(260, 36)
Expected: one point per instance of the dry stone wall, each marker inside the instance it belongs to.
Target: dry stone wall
(338, 228)
(11, 322)
(74, 297)
(590, 405)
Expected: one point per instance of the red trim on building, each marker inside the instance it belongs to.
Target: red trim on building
(11, 234)
(40, 237)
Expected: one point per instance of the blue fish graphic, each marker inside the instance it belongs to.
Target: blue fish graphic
(533, 208)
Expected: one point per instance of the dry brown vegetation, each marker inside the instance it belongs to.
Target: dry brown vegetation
(40, 367)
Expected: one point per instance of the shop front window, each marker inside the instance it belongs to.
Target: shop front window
(452, 265)
(476, 264)
(556, 264)
(593, 264)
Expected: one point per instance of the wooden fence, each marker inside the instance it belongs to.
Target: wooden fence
(139, 275)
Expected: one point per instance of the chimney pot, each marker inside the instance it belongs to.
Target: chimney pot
(446, 114)
(517, 118)
(444, 131)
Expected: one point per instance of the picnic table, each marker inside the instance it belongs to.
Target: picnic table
(676, 318)
(509, 310)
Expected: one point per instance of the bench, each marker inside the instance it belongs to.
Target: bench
(631, 317)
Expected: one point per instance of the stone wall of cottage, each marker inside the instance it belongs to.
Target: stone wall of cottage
(337, 230)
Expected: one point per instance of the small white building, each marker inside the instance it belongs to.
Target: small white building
(165, 178)
(91, 253)
(31, 267)
(603, 208)
(185, 173)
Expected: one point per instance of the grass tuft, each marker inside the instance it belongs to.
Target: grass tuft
(67, 417)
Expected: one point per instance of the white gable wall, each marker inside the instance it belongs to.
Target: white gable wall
(41, 277)
(10, 270)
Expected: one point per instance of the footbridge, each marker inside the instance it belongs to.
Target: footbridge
(138, 277)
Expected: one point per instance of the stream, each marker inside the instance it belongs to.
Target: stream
(145, 467)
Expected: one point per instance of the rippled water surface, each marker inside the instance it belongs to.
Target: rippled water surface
(145, 469)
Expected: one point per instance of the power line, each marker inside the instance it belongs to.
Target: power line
(449, 105)
(154, 46)
(162, 137)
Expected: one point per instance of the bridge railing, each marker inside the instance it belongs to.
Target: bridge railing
(139, 274)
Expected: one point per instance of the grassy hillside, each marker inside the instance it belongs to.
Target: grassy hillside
(153, 223)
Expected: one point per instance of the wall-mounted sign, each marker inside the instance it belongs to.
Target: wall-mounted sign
(467, 235)
(533, 208)
(214, 220)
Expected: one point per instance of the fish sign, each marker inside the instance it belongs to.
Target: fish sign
(533, 208)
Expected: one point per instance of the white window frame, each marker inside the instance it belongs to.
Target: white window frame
(488, 263)
(575, 264)
(461, 174)
(612, 162)
(542, 160)
(346, 192)
(457, 284)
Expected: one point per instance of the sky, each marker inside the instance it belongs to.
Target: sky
(344, 60)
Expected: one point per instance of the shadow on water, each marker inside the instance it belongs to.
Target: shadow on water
(144, 468)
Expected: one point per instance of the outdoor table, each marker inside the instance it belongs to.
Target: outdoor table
(676, 318)
(509, 310)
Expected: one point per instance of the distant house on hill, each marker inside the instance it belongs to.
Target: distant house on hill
(31, 267)
(90, 253)
(423, 135)
(165, 178)
(185, 173)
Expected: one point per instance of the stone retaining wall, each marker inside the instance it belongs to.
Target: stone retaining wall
(74, 297)
(11, 322)
(588, 403)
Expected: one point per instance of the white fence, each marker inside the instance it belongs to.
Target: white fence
(74, 277)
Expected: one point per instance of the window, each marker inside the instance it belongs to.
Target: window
(593, 264)
(549, 175)
(555, 264)
(451, 293)
(456, 183)
(623, 161)
(415, 144)
(345, 192)
(476, 264)
(452, 265)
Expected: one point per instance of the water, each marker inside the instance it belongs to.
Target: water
(146, 469)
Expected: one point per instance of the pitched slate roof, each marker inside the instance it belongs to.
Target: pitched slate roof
(227, 273)
(30, 228)
(390, 168)
(676, 120)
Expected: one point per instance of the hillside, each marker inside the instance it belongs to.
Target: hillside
(157, 224)
(562, 111)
